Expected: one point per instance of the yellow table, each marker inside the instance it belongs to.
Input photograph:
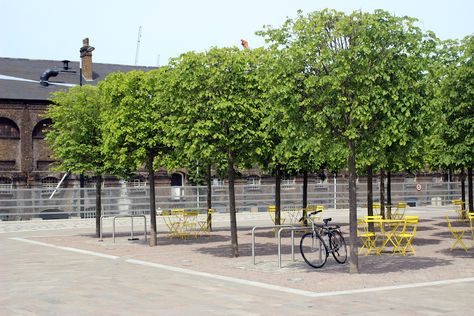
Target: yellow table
(386, 230)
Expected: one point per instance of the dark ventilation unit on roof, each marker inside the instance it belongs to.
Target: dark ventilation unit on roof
(46, 75)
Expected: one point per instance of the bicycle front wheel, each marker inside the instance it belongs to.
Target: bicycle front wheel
(313, 250)
(338, 246)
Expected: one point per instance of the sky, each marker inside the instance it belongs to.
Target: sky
(54, 29)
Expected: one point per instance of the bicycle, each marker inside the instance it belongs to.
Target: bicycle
(316, 245)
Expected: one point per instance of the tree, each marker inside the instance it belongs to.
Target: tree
(75, 136)
(134, 126)
(365, 75)
(219, 111)
(454, 141)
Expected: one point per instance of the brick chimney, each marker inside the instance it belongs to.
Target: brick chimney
(86, 59)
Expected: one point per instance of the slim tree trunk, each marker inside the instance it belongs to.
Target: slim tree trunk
(305, 196)
(277, 195)
(209, 198)
(370, 193)
(463, 189)
(98, 204)
(389, 194)
(233, 217)
(469, 188)
(354, 257)
(382, 193)
(151, 179)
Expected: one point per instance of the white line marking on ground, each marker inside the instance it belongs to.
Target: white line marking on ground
(393, 287)
(252, 283)
(86, 252)
(222, 278)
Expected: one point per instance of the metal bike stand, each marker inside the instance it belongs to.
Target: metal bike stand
(292, 229)
(100, 227)
(253, 236)
(131, 232)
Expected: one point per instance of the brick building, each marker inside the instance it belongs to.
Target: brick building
(25, 87)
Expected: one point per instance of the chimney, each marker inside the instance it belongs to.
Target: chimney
(86, 59)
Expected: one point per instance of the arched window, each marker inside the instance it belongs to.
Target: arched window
(40, 129)
(8, 128)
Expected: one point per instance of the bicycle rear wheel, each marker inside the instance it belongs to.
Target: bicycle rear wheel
(313, 250)
(338, 246)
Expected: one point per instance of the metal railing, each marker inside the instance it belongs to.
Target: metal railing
(26, 204)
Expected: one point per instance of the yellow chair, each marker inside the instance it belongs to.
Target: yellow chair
(376, 206)
(367, 237)
(470, 216)
(405, 238)
(205, 227)
(459, 208)
(189, 226)
(399, 211)
(458, 234)
(272, 210)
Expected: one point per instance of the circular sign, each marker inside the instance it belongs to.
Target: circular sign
(418, 187)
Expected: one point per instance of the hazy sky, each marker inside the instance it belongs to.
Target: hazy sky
(54, 29)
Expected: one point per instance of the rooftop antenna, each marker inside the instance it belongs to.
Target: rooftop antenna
(138, 44)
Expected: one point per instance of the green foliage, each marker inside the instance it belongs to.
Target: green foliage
(362, 77)
(453, 143)
(215, 106)
(134, 121)
(75, 137)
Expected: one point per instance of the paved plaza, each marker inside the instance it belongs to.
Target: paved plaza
(58, 267)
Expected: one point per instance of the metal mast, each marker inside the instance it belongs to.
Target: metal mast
(138, 44)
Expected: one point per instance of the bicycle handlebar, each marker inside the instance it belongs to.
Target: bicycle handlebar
(310, 214)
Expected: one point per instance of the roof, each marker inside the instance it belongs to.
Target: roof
(19, 78)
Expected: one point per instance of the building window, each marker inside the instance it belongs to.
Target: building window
(8, 128)
(253, 183)
(288, 183)
(48, 184)
(6, 185)
(137, 184)
(41, 128)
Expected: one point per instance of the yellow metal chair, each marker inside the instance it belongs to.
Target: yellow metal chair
(470, 216)
(405, 238)
(376, 206)
(367, 237)
(205, 227)
(272, 210)
(189, 226)
(458, 234)
(459, 208)
(399, 211)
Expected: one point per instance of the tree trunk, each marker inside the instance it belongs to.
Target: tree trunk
(151, 179)
(209, 198)
(463, 189)
(370, 194)
(469, 188)
(277, 195)
(354, 257)
(382, 193)
(98, 204)
(233, 217)
(305, 197)
(389, 194)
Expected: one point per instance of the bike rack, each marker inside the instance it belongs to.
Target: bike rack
(253, 236)
(122, 216)
(292, 229)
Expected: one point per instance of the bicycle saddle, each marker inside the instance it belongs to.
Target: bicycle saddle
(327, 220)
